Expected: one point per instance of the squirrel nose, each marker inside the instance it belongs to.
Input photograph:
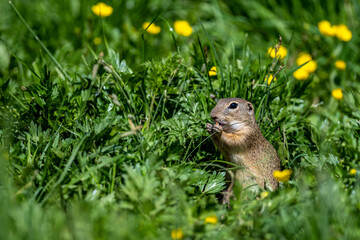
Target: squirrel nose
(214, 118)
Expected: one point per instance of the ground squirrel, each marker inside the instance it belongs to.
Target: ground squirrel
(239, 139)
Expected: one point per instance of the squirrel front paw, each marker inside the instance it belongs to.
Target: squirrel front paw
(209, 127)
(214, 128)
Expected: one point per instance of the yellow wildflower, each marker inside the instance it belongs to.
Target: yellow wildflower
(340, 64)
(264, 194)
(301, 74)
(269, 78)
(352, 171)
(97, 41)
(343, 33)
(337, 93)
(177, 234)
(211, 219)
(212, 71)
(303, 58)
(183, 28)
(326, 29)
(152, 29)
(311, 66)
(282, 52)
(102, 10)
(282, 176)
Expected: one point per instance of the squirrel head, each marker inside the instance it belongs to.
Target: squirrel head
(234, 114)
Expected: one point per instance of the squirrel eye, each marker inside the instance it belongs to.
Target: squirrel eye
(233, 105)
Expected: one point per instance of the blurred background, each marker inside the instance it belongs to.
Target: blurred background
(71, 31)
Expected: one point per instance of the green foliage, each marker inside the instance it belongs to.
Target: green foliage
(108, 141)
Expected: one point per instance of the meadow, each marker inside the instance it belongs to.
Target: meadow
(103, 114)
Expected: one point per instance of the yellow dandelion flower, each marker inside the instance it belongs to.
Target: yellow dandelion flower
(303, 58)
(97, 41)
(352, 171)
(102, 10)
(183, 28)
(264, 194)
(301, 74)
(282, 52)
(343, 33)
(177, 234)
(326, 29)
(310, 66)
(152, 29)
(337, 94)
(212, 71)
(211, 219)
(269, 78)
(282, 176)
(340, 64)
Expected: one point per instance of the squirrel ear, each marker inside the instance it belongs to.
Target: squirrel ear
(250, 108)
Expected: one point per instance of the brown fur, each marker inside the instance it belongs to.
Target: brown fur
(239, 139)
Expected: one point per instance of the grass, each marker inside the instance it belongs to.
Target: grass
(108, 141)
